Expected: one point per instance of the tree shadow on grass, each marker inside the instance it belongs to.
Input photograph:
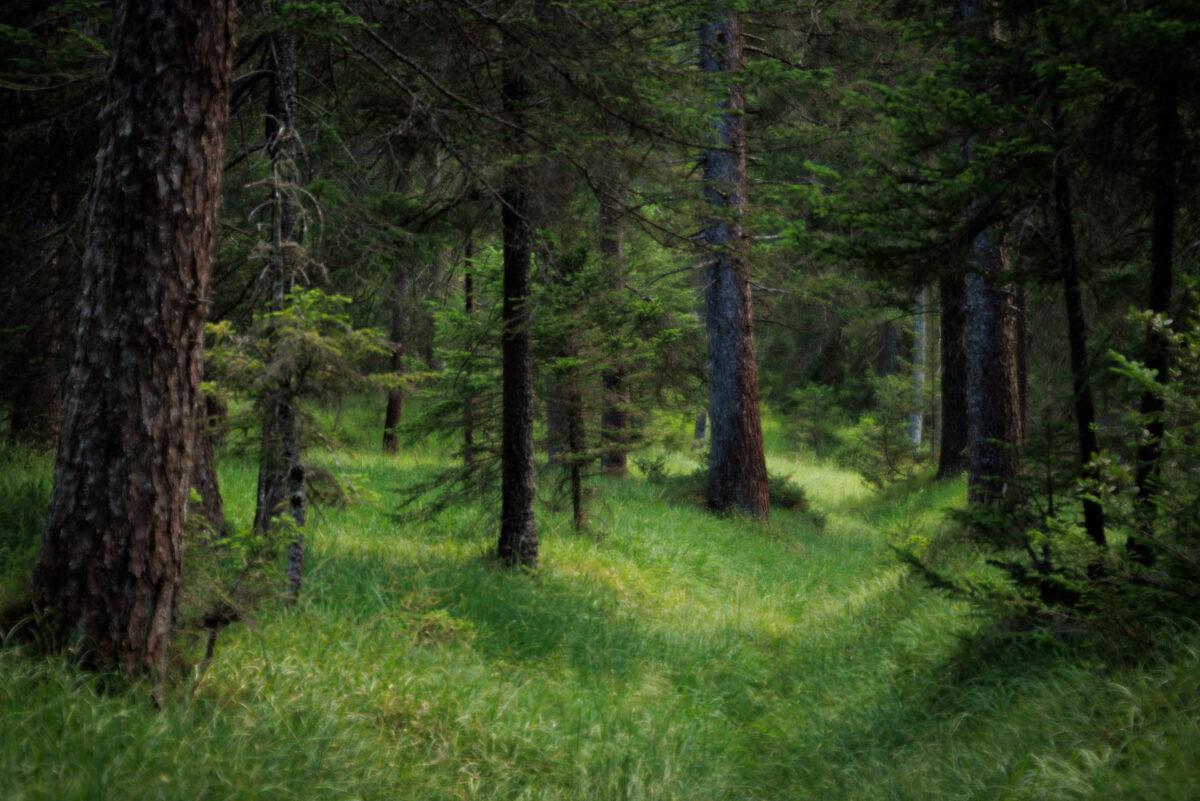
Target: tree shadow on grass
(509, 615)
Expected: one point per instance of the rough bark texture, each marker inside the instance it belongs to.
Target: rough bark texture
(994, 431)
(518, 542)
(108, 572)
(737, 472)
(1165, 202)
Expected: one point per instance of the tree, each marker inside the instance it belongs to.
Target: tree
(518, 542)
(281, 473)
(737, 471)
(108, 571)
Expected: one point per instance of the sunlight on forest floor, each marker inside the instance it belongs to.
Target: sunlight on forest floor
(662, 653)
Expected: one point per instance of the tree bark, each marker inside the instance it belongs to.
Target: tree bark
(281, 476)
(737, 472)
(993, 399)
(518, 542)
(107, 575)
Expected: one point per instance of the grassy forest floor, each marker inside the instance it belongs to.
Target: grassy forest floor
(664, 653)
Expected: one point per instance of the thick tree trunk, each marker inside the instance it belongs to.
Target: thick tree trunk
(518, 542)
(108, 571)
(737, 472)
(1165, 202)
(994, 431)
(952, 450)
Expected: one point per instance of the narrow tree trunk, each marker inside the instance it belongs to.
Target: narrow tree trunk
(395, 397)
(952, 450)
(1165, 201)
(518, 542)
(737, 472)
(1085, 411)
(469, 309)
(916, 417)
(281, 477)
(204, 470)
(614, 417)
(108, 571)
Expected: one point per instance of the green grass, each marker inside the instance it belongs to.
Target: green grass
(663, 653)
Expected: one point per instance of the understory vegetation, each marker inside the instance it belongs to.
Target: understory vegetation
(663, 652)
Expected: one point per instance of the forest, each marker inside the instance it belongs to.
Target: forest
(600, 399)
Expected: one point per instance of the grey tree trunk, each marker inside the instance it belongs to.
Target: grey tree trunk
(281, 476)
(107, 575)
(737, 472)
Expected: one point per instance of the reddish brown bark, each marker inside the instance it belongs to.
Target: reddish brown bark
(737, 472)
(108, 572)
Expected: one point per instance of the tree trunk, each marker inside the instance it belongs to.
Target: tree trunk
(993, 404)
(108, 571)
(737, 472)
(1165, 201)
(952, 450)
(1081, 385)
(887, 357)
(518, 542)
(281, 476)
(469, 309)
(204, 470)
(395, 397)
(614, 417)
(916, 417)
